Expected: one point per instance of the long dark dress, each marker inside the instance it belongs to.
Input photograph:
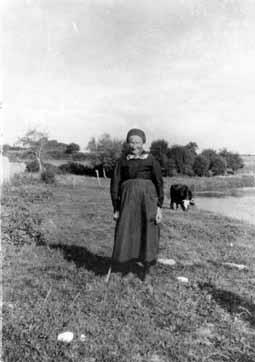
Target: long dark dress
(136, 192)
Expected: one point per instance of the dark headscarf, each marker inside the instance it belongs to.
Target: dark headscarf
(136, 132)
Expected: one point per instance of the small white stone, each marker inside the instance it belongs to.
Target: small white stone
(66, 337)
(183, 279)
(236, 266)
(156, 358)
(166, 261)
(139, 263)
(82, 338)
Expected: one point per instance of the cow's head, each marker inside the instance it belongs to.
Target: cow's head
(185, 205)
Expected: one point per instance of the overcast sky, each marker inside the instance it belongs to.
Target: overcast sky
(182, 70)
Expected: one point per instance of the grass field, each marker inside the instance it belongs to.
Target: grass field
(56, 244)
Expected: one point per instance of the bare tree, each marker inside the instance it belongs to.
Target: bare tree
(34, 141)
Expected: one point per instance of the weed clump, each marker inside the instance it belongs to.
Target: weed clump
(21, 224)
(48, 176)
(76, 168)
(33, 166)
(22, 227)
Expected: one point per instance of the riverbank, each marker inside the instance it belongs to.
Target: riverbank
(216, 183)
(57, 241)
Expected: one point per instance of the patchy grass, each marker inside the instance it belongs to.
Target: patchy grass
(55, 282)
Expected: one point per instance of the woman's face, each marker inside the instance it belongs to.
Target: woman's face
(135, 145)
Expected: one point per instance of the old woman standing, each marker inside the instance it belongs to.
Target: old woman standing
(137, 197)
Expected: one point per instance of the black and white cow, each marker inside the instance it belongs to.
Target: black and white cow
(180, 195)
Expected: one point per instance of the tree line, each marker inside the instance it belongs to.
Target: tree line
(103, 152)
(174, 160)
(186, 160)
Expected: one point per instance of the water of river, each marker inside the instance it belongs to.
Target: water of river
(236, 203)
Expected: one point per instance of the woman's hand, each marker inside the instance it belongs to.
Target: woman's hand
(116, 215)
(158, 216)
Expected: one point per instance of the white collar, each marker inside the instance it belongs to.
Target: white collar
(143, 156)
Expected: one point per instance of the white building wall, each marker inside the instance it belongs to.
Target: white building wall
(9, 169)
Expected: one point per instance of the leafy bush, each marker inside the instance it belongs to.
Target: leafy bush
(72, 148)
(218, 166)
(32, 166)
(55, 155)
(159, 150)
(184, 158)
(201, 165)
(48, 176)
(79, 156)
(77, 169)
(23, 155)
(234, 160)
(188, 170)
(106, 151)
(210, 154)
(52, 168)
(171, 168)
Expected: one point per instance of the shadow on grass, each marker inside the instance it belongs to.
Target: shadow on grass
(232, 302)
(83, 258)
